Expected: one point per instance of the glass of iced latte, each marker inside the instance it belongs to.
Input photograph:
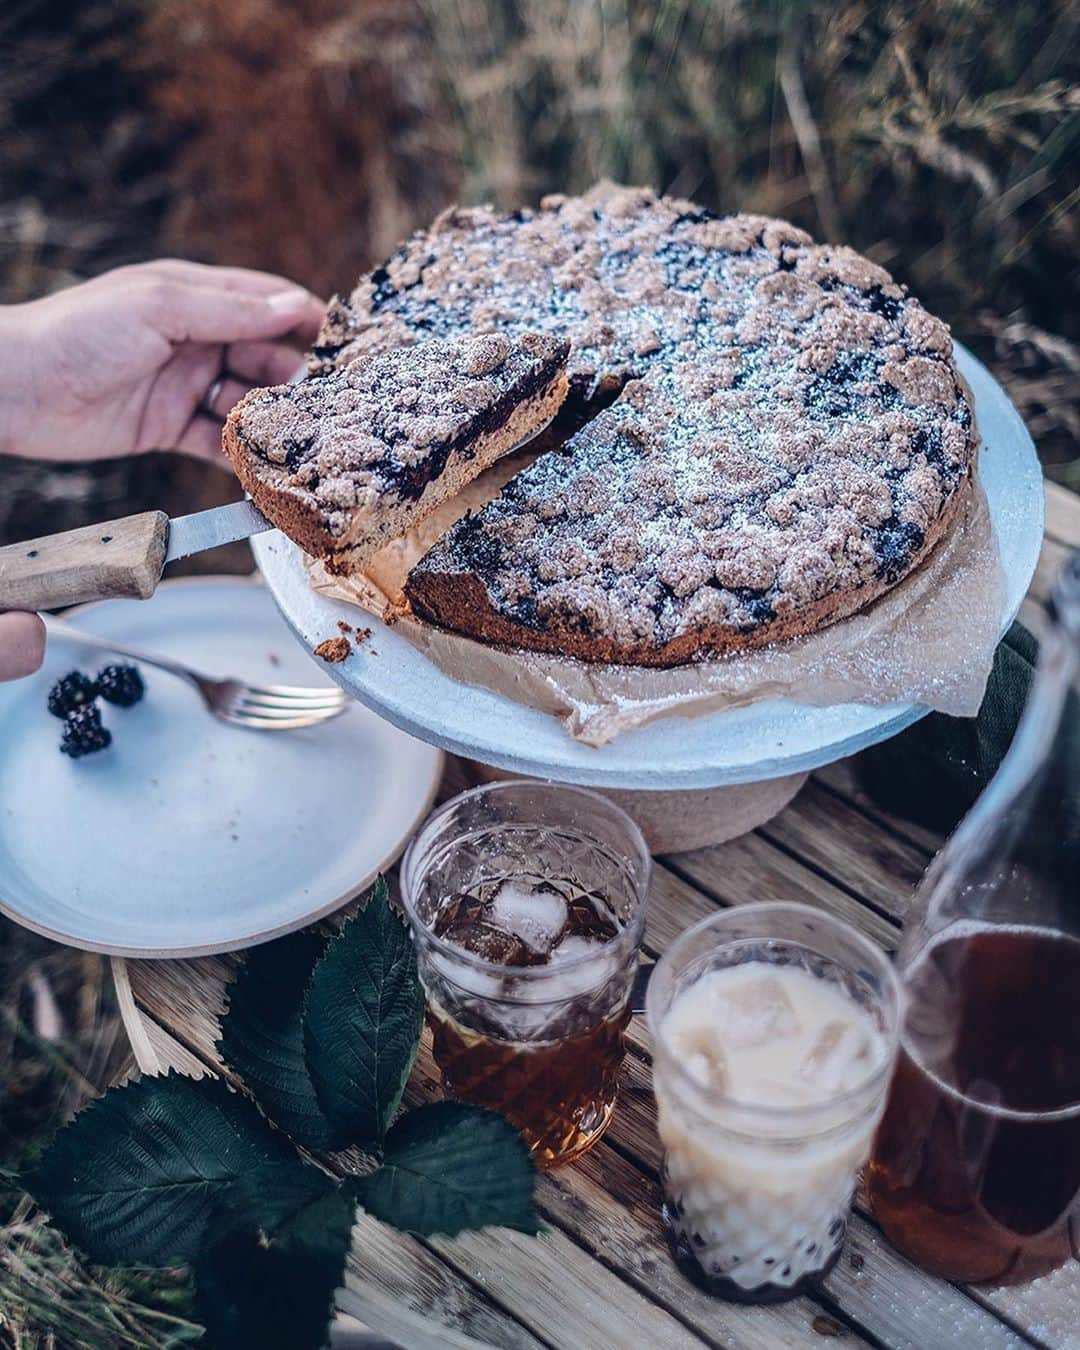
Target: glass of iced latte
(774, 1032)
(527, 902)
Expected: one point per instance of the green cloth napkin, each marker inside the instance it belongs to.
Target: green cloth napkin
(932, 772)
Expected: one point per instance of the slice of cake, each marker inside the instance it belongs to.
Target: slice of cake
(346, 462)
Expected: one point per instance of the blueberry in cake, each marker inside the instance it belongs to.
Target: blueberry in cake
(770, 432)
(345, 463)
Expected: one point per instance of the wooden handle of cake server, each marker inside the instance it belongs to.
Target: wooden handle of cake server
(98, 562)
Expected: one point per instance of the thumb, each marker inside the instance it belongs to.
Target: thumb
(183, 312)
(22, 645)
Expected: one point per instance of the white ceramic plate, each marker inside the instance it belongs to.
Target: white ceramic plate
(738, 745)
(188, 836)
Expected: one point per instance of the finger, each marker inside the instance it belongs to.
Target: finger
(185, 313)
(247, 279)
(177, 393)
(224, 397)
(264, 362)
(22, 645)
(202, 439)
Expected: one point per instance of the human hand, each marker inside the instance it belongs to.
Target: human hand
(145, 357)
(22, 645)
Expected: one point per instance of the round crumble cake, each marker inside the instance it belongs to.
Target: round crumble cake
(765, 433)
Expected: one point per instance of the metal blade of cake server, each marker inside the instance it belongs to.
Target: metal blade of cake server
(208, 529)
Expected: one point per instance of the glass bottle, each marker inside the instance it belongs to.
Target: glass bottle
(975, 1172)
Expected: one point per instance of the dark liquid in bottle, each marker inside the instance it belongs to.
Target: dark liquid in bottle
(975, 1173)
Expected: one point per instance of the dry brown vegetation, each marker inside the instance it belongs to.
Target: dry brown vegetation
(308, 135)
(319, 134)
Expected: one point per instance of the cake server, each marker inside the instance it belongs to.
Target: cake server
(119, 558)
(126, 557)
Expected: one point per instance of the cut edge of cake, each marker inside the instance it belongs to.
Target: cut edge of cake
(512, 417)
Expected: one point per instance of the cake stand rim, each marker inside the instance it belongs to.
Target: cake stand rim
(479, 724)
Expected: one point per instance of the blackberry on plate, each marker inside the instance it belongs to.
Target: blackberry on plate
(83, 732)
(121, 685)
(73, 691)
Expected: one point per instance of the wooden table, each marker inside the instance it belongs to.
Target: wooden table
(600, 1275)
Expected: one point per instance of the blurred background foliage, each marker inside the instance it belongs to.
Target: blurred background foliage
(941, 137)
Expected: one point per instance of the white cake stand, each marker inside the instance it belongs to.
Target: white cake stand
(768, 740)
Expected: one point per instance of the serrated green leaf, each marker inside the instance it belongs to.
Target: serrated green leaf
(275, 1257)
(362, 1019)
(133, 1178)
(449, 1167)
(262, 1037)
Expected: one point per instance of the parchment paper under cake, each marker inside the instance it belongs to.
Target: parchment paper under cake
(929, 641)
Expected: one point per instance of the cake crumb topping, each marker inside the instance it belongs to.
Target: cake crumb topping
(787, 428)
(383, 426)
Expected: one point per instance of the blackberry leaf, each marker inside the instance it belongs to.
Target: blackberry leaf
(276, 1254)
(262, 1037)
(132, 1180)
(362, 1019)
(449, 1167)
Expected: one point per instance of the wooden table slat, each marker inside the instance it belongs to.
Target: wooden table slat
(842, 778)
(753, 868)
(823, 830)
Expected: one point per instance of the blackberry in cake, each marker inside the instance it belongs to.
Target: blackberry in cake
(771, 432)
(345, 463)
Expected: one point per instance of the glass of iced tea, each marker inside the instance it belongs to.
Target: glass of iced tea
(774, 1032)
(527, 905)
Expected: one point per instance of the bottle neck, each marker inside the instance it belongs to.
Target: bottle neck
(1045, 748)
(1015, 858)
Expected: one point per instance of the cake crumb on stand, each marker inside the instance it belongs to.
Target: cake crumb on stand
(333, 650)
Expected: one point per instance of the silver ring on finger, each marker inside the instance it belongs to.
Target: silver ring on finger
(211, 397)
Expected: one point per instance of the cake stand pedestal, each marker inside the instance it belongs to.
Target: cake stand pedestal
(682, 819)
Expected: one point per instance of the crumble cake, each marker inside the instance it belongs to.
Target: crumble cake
(771, 432)
(346, 463)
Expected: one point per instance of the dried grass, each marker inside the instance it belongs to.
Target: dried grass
(318, 131)
(61, 1043)
(50, 1300)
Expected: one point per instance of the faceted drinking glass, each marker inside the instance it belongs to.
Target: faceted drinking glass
(758, 1185)
(542, 1043)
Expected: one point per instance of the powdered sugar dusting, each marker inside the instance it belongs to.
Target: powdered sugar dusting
(384, 427)
(790, 424)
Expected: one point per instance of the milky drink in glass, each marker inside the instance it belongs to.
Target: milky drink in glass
(774, 1031)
